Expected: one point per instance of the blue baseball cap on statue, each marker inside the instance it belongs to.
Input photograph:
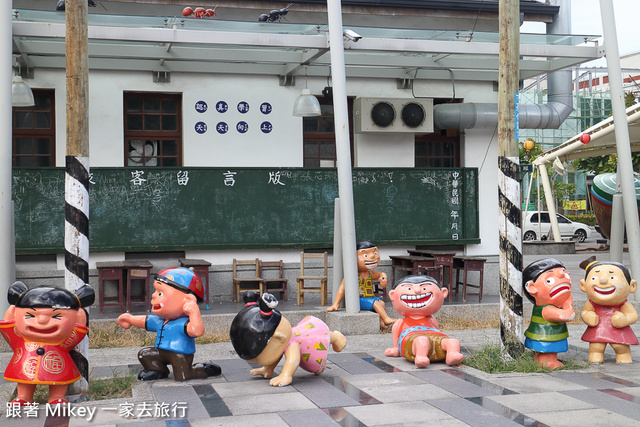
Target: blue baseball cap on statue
(183, 279)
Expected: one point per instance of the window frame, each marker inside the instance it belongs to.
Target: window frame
(324, 137)
(441, 137)
(153, 135)
(34, 133)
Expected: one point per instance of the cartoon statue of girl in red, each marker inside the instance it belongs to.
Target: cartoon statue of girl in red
(42, 325)
(608, 314)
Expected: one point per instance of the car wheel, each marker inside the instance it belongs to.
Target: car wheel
(582, 235)
(529, 235)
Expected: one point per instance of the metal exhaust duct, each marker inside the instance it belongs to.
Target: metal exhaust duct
(532, 116)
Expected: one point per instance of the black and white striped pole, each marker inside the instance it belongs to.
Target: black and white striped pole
(509, 197)
(76, 227)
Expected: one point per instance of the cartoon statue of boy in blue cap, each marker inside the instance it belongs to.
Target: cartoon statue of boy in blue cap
(177, 322)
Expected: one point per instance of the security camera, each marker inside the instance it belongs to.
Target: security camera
(351, 35)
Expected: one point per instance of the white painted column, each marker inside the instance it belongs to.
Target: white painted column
(625, 167)
(343, 156)
(337, 250)
(7, 259)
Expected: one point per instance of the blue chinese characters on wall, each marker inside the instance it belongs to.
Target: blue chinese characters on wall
(201, 127)
(201, 106)
(222, 128)
(265, 108)
(266, 127)
(242, 127)
(243, 107)
(222, 107)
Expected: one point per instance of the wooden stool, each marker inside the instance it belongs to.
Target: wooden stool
(124, 273)
(436, 272)
(443, 258)
(408, 263)
(138, 271)
(469, 264)
(379, 291)
(109, 272)
(201, 268)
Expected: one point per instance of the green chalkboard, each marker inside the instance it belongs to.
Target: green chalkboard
(163, 209)
(416, 206)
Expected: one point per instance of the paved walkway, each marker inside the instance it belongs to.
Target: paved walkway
(362, 387)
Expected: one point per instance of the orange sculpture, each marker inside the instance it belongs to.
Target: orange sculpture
(368, 259)
(42, 325)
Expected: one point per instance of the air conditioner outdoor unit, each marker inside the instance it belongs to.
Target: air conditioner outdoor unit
(393, 115)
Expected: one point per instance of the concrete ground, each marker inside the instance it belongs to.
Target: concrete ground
(362, 387)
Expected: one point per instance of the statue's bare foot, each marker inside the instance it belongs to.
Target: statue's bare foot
(338, 341)
(389, 321)
(454, 358)
(422, 361)
(262, 371)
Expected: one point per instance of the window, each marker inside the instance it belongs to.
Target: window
(320, 138)
(152, 129)
(438, 150)
(544, 216)
(34, 131)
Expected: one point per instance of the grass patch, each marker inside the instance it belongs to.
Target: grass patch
(108, 388)
(447, 322)
(109, 335)
(491, 359)
(457, 322)
(214, 336)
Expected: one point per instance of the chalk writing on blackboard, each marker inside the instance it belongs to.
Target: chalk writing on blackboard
(183, 177)
(390, 194)
(229, 181)
(169, 209)
(136, 177)
(274, 178)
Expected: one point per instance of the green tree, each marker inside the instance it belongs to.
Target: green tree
(561, 190)
(609, 163)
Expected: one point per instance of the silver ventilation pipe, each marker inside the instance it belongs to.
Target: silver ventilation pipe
(531, 116)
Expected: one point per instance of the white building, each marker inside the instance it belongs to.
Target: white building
(153, 70)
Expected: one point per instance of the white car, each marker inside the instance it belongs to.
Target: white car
(537, 224)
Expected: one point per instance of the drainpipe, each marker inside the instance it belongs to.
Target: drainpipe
(531, 116)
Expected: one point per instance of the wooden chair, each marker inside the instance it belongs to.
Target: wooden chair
(467, 264)
(246, 277)
(302, 287)
(269, 269)
(379, 291)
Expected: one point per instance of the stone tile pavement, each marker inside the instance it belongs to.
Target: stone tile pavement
(361, 387)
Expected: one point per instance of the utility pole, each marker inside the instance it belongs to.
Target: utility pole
(76, 189)
(510, 216)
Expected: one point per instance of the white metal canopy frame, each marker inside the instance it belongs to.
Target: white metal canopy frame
(175, 44)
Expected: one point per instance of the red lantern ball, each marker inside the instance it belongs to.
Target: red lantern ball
(528, 144)
(187, 11)
(585, 138)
